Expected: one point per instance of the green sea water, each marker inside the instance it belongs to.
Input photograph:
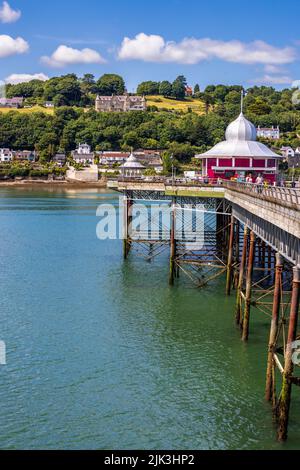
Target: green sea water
(103, 354)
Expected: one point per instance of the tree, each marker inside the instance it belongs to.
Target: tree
(178, 88)
(110, 84)
(196, 89)
(165, 88)
(148, 88)
(259, 107)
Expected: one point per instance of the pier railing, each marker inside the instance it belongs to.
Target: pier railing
(276, 193)
(171, 181)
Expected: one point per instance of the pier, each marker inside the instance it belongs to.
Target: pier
(250, 235)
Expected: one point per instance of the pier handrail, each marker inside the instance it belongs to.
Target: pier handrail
(170, 181)
(276, 193)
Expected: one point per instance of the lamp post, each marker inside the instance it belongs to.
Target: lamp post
(173, 169)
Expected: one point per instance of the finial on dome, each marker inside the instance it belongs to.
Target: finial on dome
(242, 101)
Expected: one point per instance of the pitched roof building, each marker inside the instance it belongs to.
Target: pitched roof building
(122, 103)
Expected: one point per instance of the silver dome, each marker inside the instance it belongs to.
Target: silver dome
(132, 162)
(241, 129)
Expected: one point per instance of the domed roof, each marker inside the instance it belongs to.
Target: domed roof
(240, 142)
(241, 129)
(132, 162)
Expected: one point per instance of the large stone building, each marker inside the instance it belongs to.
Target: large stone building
(123, 103)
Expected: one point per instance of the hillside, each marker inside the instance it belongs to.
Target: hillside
(34, 109)
(196, 105)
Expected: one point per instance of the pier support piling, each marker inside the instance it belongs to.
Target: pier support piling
(230, 257)
(238, 310)
(127, 217)
(173, 270)
(274, 327)
(286, 390)
(248, 294)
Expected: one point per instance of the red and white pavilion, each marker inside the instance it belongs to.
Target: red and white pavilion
(240, 155)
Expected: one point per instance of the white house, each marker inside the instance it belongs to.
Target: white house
(83, 154)
(272, 133)
(6, 155)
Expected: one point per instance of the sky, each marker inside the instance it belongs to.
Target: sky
(210, 42)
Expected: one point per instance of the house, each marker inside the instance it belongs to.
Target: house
(83, 154)
(189, 91)
(60, 159)
(151, 159)
(15, 102)
(112, 158)
(123, 103)
(272, 133)
(24, 156)
(6, 155)
(240, 155)
(49, 104)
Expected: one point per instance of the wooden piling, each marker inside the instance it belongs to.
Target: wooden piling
(172, 272)
(274, 327)
(230, 257)
(236, 254)
(238, 309)
(286, 390)
(246, 319)
(127, 217)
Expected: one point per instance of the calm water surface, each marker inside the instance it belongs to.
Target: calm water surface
(102, 354)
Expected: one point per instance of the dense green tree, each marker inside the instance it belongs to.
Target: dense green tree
(110, 84)
(196, 89)
(259, 107)
(178, 88)
(148, 88)
(165, 88)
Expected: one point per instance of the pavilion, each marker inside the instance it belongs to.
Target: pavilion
(240, 155)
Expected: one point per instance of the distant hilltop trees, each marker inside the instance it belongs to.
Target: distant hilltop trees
(69, 90)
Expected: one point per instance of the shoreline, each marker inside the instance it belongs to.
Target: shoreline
(56, 184)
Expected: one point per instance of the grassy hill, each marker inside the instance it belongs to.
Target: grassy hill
(34, 109)
(196, 105)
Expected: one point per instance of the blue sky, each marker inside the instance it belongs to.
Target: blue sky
(208, 42)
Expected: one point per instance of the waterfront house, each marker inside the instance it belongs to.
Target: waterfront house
(112, 158)
(6, 155)
(272, 133)
(83, 154)
(24, 156)
(240, 155)
(60, 159)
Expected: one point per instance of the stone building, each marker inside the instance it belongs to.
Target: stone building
(122, 103)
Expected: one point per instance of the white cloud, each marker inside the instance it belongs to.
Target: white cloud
(16, 78)
(274, 69)
(10, 46)
(274, 80)
(8, 15)
(65, 55)
(154, 48)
